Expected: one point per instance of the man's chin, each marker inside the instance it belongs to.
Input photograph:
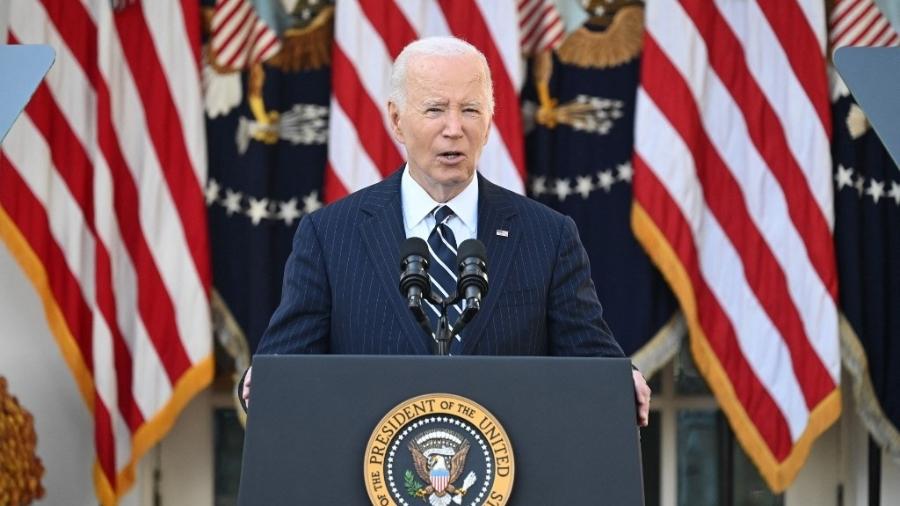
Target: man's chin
(457, 179)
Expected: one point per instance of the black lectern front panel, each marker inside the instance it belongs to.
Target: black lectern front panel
(570, 423)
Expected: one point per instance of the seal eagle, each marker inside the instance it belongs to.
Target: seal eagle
(432, 466)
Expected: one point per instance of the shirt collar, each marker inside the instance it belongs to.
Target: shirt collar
(418, 204)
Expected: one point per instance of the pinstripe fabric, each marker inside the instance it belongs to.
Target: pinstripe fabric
(341, 295)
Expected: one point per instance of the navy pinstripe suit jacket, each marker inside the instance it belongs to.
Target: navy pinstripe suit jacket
(341, 294)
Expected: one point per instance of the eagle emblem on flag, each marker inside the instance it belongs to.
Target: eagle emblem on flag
(439, 457)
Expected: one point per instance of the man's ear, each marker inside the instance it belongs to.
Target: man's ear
(394, 119)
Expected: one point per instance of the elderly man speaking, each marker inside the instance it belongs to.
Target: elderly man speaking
(340, 282)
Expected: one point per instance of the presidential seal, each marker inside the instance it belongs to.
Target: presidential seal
(439, 450)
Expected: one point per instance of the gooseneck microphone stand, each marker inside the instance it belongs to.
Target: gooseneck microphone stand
(416, 287)
(443, 336)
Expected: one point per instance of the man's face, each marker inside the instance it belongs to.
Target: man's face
(445, 122)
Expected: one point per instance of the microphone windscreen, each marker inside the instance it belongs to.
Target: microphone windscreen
(471, 248)
(414, 246)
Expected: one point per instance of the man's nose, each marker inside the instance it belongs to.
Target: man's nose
(453, 125)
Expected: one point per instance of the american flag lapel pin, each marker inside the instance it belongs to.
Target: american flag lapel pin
(502, 233)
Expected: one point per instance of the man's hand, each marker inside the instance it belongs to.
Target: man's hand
(641, 397)
(245, 392)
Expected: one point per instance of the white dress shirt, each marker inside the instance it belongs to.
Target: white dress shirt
(417, 206)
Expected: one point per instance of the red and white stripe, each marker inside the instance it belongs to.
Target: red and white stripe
(440, 481)
(101, 180)
(369, 34)
(239, 37)
(860, 23)
(540, 26)
(733, 174)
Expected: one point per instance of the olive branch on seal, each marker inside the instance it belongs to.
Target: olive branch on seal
(411, 483)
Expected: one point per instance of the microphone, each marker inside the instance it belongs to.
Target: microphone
(471, 257)
(414, 282)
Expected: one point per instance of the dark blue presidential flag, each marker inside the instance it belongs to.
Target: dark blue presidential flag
(867, 243)
(267, 128)
(579, 104)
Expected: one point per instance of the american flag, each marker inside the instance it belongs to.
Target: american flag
(101, 204)
(540, 26)
(733, 200)
(859, 23)
(369, 34)
(239, 38)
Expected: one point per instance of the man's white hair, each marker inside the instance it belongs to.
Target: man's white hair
(435, 46)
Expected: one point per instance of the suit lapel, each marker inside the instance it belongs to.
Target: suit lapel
(497, 230)
(382, 232)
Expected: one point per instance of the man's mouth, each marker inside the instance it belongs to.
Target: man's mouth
(451, 156)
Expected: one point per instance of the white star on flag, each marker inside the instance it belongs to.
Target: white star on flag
(562, 189)
(288, 211)
(311, 202)
(258, 210)
(539, 186)
(844, 177)
(876, 190)
(232, 201)
(606, 180)
(625, 171)
(584, 186)
(212, 191)
(895, 193)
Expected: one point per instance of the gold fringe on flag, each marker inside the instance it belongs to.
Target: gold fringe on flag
(662, 347)
(853, 358)
(231, 336)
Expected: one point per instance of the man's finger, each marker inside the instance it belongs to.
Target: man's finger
(642, 398)
(245, 392)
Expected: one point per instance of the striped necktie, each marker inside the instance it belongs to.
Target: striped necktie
(442, 246)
